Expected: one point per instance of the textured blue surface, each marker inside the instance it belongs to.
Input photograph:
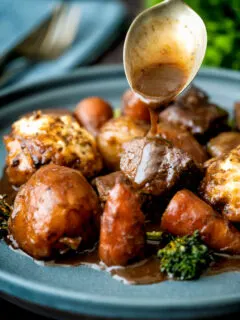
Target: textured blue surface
(100, 23)
(18, 17)
(82, 290)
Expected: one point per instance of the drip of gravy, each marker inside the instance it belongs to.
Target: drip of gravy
(161, 83)
(154, 117)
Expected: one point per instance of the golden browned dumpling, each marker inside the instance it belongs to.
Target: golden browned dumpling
(47, 138)
(55, 210)
(113, 134)
(220, 186)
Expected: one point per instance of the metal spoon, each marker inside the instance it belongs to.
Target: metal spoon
(164, 49)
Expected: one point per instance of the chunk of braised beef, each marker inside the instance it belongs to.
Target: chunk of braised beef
(105, 183)
(194, 112)
(154, 166)
(193, 96)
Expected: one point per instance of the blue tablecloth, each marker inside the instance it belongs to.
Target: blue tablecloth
(100, 23)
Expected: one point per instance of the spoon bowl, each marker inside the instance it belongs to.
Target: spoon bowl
(163, 51)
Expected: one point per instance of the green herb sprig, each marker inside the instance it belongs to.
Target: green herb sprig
(5, 211)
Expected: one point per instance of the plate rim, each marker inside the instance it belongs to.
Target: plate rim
(139, 302)
(7, 94)
(14, 283)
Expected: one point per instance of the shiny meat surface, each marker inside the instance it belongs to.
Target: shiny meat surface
(183, 139)
(114, 134)
(194, 112)
(44, 138)
(187, 213)
(220, 186)
(155, 166)
(223, 143)
(104, 184)
(55, 210)
(122, 235)
(193, 96)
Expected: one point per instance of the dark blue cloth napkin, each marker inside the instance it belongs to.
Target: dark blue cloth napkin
(19, 17)
(99, 25)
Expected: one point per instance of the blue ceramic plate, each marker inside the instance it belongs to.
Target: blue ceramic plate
(67, 292)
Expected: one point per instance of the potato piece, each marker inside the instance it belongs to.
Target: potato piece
(92, 113)
(237, 114)
(56, 209)
(187, 213)
(122, 235)
(134, 107)
(223, 143)
(154, 166)
(194, 112)
(41, 139)
(114, 134)
(220, 186)
(183, 139)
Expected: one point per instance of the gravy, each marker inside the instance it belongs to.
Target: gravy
(161, 82)
(154, 117)
(144, 272)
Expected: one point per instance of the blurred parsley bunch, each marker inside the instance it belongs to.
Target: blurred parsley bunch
(222, 19)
